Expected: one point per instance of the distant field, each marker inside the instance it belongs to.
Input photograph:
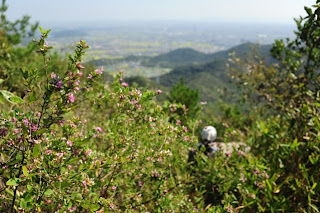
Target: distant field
(132, 69)
(150, 39)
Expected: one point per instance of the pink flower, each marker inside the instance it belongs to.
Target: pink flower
(133, 101)
(99, 71)
(140, 183)
(39, 114)
(77, 83)
(14, 119)
(228, 154)
(48, 201)
(48, 152)
(25, 121)
(59, 84)
(59, 155)
(34, 128)
(185, 129)
(88, 152)
(165, 191)
(79, 66)
(240, 153)
(71, 98)
(61, 122)
(159, 91)
(53, 75)
(84, 183)
(69, 143)
(80, 73)
(16, 131)
(45, 43)
(72, 209)
(111, 205)
(124, 84)
(243, 179)
(3, 132)
(114, 188)
(98, 129)
(89, 76)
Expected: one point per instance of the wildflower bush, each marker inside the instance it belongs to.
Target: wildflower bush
(282, 171)
(72, 143)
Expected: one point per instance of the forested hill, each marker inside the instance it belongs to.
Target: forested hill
(185, 56)
(211, 76)
(188, 56)
(178, 57)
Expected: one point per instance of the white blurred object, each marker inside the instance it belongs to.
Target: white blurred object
(230, 147)
(209, 133)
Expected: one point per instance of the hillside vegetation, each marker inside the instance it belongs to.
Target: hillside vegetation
(72, 142)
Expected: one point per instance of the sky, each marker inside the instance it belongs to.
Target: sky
(55, 11)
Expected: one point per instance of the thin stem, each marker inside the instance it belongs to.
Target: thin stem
(16, 187)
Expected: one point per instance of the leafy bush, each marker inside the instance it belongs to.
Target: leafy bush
(73, 144)
(118, 152)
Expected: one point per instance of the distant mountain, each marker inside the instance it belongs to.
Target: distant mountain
(183, 56)
(188, 56)
(178, 57)
(206, 72)
(211, 76)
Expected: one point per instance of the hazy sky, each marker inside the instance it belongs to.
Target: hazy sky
(205, 10)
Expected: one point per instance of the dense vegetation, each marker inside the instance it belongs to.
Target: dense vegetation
(71, 143)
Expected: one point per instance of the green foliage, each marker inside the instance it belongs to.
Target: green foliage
(188, 98)
(285, 133)
(118, 152)
(211, 78)
(11, 56)
(72, 143)
(178, 57)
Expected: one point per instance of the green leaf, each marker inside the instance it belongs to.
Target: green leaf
(32, 96)
(314, 207)
(41, 30)
(2, 99)
(12, 182)
(11, 97)
(23, 203)
(94, 207)
(25, 171)
(36, 150)
(308, 10)
(1, 81)
(77, 197)
(48, 192)
(29, 187)
(25, 74)
(16, 100)
(40, 131)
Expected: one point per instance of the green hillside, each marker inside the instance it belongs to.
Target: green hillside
(211, 76)
(178, 57)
